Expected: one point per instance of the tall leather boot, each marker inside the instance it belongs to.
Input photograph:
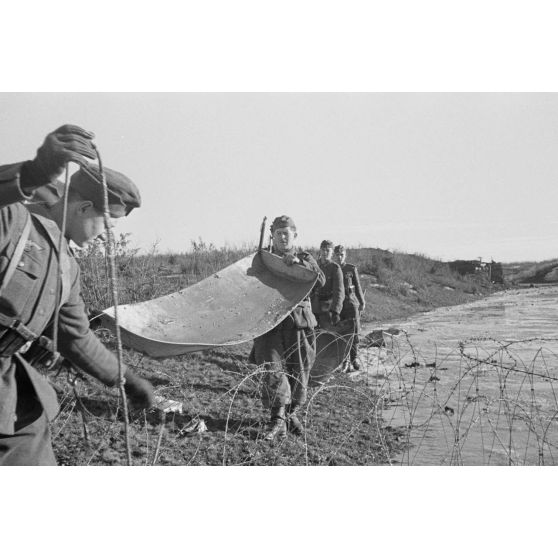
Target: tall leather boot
(278, 425)
(293, 422)
(354, 355)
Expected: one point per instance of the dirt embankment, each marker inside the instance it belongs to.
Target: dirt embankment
(220, 388)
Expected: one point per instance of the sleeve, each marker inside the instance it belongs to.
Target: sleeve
(338, 290)
(79, 344)
(308, 261)
(358, 289)
(10, 188)
(13, 214)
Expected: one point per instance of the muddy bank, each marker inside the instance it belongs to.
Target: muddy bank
(386, 304)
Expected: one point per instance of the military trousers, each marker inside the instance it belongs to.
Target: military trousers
(29, 445)
(350, 312)
(288, 355)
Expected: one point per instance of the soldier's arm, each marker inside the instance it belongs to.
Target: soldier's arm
(308, 261)
(79, 344)
(338, 290)
(358, 290)
(13, 213)
(10, 185)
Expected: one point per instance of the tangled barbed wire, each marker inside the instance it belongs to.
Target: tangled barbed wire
(483, 402)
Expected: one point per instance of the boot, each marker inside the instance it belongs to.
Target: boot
(293, 422)
(353, 355)
(277, 426)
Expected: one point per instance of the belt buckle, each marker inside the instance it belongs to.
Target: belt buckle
(25, 347)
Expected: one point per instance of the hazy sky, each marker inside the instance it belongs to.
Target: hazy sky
(447, 175)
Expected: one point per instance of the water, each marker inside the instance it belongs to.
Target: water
(475, 384)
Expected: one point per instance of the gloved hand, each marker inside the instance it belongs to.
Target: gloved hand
(361, 308)
(335, 318)
(290, 259)
(138, 391)
(65, 144)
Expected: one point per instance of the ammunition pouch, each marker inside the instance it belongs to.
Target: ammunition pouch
(14, 336)
(303, 317)
(18, 338)
(42, 352)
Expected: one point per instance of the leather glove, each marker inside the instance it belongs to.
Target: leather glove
(65, 144)
(290, 259)
(335, 318)
(138, 391)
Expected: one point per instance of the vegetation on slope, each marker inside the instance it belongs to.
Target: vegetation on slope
(220, 390)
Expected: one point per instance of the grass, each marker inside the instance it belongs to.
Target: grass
(220, 388)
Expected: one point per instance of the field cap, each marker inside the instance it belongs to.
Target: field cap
(282, 222)
(326, 244)
(339, 249)
(123, 194)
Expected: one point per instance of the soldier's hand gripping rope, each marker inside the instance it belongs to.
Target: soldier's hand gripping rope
(66, 144)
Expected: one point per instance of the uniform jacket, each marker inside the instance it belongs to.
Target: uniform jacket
(329, 297)
(351, 282)
(302, 316)
(30, 296)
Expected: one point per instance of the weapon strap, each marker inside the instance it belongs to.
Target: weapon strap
(16, 254)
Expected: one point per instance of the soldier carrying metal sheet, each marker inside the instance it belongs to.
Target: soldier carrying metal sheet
(288, 351)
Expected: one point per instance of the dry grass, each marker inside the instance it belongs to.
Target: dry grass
(343, 421)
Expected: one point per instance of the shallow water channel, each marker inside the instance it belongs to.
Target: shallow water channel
(475, 384)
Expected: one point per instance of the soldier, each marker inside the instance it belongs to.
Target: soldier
(354, 303)
(288, 351)
(327, 301)
(30, 265)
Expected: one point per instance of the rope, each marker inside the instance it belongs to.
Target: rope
(112, 268)
(60, 248)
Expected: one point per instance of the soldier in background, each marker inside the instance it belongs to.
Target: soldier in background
(288, 351)
(35, 276)
(327, 300)
(353, 304)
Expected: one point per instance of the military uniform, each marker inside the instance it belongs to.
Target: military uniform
(354, 299)
(27, 305)
(288, 351)
(328, 299)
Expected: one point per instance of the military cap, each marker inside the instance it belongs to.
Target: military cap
(326, 244)
(339, 249)
(123, 194)
(282, 222)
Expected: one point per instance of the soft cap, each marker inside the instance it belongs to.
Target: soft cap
(123, 194)
(282, 222)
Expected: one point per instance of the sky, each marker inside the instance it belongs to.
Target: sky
(448, 175)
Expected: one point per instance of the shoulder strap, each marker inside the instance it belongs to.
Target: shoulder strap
(14, 260)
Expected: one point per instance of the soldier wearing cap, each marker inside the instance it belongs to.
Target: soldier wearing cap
(327, 301)
(288, 351)
(31, 208)
(353, 304)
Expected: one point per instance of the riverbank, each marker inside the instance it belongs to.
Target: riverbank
(218, 418)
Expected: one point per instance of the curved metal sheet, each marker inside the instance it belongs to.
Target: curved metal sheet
(332, 348)
(234, 305)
